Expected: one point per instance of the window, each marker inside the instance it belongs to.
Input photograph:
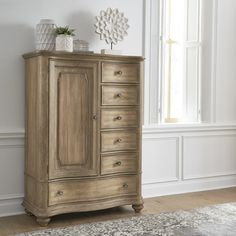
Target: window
(180, 61)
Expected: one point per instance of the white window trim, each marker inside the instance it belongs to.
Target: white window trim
(214, 61)
(152, 98)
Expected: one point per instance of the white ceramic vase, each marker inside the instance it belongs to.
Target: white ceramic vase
(45, 35)
(64, 43)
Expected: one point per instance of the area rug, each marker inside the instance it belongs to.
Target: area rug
(218, 220)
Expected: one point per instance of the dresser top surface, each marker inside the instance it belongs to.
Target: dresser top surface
(81, 55)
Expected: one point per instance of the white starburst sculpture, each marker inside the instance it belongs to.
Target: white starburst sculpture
(111, 25)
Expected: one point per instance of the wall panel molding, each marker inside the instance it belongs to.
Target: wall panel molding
(10, 139)
(168, 158)
(219, 176)
(11, 147)
(213, 156)
(12, 134)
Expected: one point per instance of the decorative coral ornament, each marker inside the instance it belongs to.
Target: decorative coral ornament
(111, 25)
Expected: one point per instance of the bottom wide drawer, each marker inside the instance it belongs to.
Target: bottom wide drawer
(91, 189)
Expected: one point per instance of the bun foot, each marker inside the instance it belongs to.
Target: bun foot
(43, 221)
(137, 207)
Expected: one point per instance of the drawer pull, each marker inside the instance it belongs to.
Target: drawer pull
(125, 185)
(118, 163)
(59, 193)
(118, 72)
(118, 95)
(119, 140)
(118, 118)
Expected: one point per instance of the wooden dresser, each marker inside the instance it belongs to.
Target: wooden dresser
(83, 133)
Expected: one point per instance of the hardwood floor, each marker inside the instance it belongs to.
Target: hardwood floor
(24, 223)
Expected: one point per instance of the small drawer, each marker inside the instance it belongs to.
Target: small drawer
(119, 163)
(120, 73)
(120, 95)
(96, 189)
(119, 118)
(119, 140)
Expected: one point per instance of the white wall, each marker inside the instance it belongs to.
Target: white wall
(184, 158)
(17, 23)
(174, 159)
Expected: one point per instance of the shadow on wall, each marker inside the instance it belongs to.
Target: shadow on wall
(83, 22)
(16, 39)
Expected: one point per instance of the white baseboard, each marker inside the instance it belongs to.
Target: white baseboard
(178, 187)
(11, 205)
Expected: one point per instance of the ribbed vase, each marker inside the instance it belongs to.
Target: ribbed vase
(45, 35)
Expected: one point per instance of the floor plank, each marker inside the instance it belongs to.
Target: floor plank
(24, 223)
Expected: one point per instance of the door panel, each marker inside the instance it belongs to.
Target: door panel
(73, 102)
(73, 114)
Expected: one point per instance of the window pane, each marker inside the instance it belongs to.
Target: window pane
(192, 20)
(176, 16)
(174, 82)
(177, 82)
(192, 84)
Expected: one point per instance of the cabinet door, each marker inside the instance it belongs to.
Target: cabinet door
(72, 119)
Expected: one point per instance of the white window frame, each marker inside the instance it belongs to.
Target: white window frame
(152, 86)
(188, 44)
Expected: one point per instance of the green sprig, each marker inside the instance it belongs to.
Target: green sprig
(65, 31)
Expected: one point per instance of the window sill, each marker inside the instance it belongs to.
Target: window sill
(188, 127)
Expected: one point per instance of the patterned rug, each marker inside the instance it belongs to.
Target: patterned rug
(218, 220)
